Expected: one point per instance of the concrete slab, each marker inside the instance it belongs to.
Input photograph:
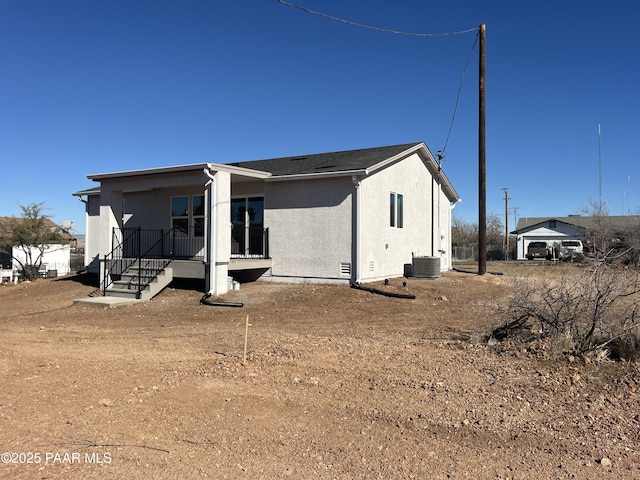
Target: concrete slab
(106, 302)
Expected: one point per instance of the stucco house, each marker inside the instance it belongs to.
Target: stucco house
(53, 259)
(351, 216)
(554, 230)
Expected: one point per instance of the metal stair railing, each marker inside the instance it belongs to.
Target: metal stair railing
(155, 261)
(115, 263)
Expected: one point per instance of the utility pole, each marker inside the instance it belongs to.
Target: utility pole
(506, 223)
(515, 215)
(482, 159)
(628, 195)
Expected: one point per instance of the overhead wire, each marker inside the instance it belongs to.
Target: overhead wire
(441, 153)
(370, 27)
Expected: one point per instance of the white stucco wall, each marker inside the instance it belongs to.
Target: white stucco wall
(220, 233)
(92, 234)
(385, 249)
(309, 225)
(443, 228)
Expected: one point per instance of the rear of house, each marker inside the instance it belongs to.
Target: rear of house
(352, 216)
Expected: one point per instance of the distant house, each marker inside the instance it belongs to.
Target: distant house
(350, 216)
(55, 258)
(554, 230)
(55, 261)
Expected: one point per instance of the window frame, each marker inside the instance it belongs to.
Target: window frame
(197, 219)
(194, 221)
(396, 210)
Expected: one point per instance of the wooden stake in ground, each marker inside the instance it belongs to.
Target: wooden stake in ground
(246, 335)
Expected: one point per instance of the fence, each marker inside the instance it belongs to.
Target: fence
(470, 253)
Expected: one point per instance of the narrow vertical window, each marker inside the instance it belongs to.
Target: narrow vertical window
(392, 210)
(180, 215)
(396, 210)
(198, 215)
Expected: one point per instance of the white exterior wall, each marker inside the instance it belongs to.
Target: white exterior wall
(218, 233)
(384, 250)
(309, 225)
(56, 257)
(92, 234)
(443, 230)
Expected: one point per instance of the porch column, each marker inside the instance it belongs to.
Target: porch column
(218, 240)
(110, 218)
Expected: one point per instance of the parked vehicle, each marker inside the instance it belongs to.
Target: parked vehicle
(569, 249)
(573, 246)
(538, 250)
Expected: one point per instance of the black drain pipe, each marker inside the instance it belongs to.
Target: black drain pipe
(383, 292)
(205, 301)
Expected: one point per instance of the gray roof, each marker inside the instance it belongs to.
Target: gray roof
(326, 162)
(348, 162)
(88, 191)
(620, 222)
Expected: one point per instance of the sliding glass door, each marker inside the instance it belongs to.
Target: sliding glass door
(247, 217)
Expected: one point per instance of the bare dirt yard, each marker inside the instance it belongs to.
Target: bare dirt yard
(338, 383)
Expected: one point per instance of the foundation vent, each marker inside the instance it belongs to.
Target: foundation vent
(345, 268)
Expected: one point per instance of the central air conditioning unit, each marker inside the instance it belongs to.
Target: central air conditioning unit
(426, 267)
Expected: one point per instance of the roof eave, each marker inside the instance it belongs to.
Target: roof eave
(430, 163)
(233, 170)
(88, 191)
(148, 171)
(320, 175)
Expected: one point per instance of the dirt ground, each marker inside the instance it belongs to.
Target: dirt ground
(338, 384)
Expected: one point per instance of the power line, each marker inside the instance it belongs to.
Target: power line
(370, 27)
(442, 152)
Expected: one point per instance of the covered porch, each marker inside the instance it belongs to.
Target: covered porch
(197, 219)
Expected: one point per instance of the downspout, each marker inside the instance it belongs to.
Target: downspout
(211, 253)
(452, 205)
(356, 221)
(432, 221)
(439, 193)
(86, 223)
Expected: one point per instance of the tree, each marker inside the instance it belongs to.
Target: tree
(495, 230)
(609, 240)
(601, 230)
(466, 233)
(463, 233)
(32, 234)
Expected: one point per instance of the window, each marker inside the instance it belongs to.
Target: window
(396, 210)
(197, 211)
(247, 233)
(392, 210)
(183, 217)
(180, 215)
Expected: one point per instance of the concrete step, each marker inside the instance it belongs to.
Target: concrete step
(127, 286)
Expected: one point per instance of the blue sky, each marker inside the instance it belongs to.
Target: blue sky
(100, 86)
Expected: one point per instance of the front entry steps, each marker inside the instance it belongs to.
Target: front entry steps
(127, 285)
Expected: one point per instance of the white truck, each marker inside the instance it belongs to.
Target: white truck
(569, 249)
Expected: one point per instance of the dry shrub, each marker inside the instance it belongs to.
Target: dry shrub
(579, 310)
